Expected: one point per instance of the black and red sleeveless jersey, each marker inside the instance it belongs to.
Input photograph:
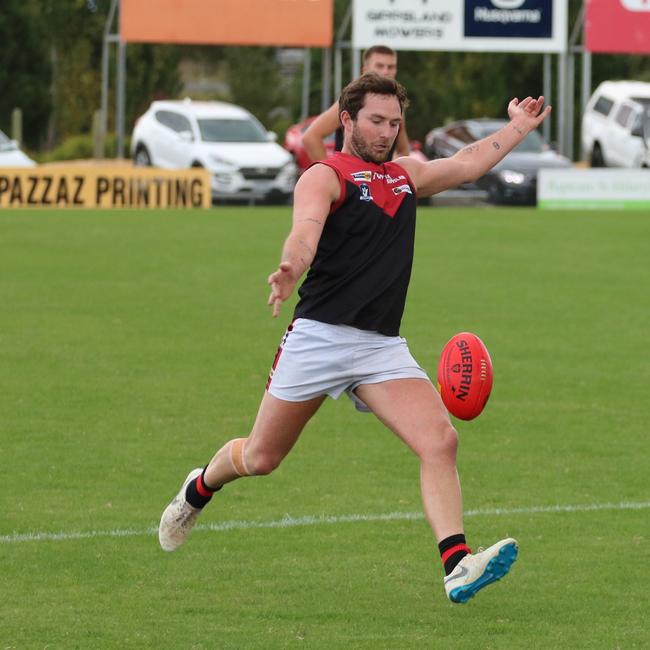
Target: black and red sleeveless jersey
(362, 267)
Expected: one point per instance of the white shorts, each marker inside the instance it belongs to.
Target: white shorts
(317, 359)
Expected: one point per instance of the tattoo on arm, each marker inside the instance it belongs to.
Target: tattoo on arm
(496, 145)
(518, 130)
(310, 219)
(306, 246)
(472, 148)
(310, 254)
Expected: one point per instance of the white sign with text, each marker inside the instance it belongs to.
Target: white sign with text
(593, 188)
(461, 25)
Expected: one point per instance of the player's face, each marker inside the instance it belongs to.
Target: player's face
(383, 64)
(372, 134)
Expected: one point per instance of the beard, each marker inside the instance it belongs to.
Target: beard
(363, 150)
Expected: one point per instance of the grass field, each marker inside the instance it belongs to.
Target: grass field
(133, 344)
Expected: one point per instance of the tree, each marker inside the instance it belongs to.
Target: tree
(25, 70)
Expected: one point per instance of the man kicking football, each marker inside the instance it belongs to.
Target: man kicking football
(353, 234)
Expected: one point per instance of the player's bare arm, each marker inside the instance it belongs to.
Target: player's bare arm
(325, 124)
(314, 194)
(472, 162)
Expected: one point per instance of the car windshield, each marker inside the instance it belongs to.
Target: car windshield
(231, 130)
(532, 143)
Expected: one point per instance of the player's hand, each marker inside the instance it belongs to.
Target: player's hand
(528, 112)
(282, 283)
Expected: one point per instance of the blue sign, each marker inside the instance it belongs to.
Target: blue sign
(509, 18)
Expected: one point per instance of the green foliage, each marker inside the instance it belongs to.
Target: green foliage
(446, 86)
(53, 51)
(51, 68)
(152, 73)
(255, 83)
(24, 70)
(80, 147)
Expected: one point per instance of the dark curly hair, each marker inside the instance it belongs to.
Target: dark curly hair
(354, 94)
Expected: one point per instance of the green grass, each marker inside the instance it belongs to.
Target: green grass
(133, 344)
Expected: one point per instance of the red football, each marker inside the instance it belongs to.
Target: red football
(465, 375)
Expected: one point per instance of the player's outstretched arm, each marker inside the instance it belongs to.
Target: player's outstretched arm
(313, 196)
(476, 159)
(313, 139)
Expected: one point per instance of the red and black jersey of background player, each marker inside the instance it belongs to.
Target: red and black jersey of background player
(362, 267)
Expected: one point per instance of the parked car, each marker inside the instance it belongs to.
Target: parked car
(11, 155)
(242, 156)
(293, 144)
(514, 179)
(616, 125)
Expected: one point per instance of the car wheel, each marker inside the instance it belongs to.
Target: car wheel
(494, 193)
(597, 158)
(142, 157)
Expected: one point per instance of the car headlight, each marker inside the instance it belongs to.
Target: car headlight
(512, 177)
(221, 161)
(288, 170)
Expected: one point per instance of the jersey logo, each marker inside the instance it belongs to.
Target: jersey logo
(365, 176)
(388, 178)
(365, 193)
(402, 189)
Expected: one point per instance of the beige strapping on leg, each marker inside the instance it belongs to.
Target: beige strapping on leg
(237, 447)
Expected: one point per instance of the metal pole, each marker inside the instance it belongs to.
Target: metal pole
(105, 68)
(345, 23)
(356, 63)
(306, 73)
(338, 69)
(561, 122)
(326, 90)
(576, 32)
(103, 126)
(586, 86)
(546, 126)
(338, 56)
(121, 97)
(17, 125)
(570, 106)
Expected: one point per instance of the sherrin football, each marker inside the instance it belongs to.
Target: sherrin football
(465, 375)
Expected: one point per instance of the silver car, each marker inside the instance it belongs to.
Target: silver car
(243, 158)
(513, 179)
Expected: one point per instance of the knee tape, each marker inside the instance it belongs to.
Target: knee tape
(237, 459)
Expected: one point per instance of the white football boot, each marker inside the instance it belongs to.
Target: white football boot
(476, 571)
(178, 518)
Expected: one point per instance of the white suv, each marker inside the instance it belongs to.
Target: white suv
(616, 125)
(242, 156)
(11, 155)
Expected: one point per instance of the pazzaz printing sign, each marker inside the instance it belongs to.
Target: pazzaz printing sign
(509, 18)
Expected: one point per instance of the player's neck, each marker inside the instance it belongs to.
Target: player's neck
(349, 149)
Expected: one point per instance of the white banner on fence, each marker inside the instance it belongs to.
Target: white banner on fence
(593, 188)
(461, 25)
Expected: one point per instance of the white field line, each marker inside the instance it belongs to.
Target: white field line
(312, 520)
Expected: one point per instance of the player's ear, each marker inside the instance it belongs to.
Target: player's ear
(345, 118)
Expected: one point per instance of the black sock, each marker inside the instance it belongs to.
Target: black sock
(197, 493)
(452, 550)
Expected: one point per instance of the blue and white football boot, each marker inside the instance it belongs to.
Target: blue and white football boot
(476, 571)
